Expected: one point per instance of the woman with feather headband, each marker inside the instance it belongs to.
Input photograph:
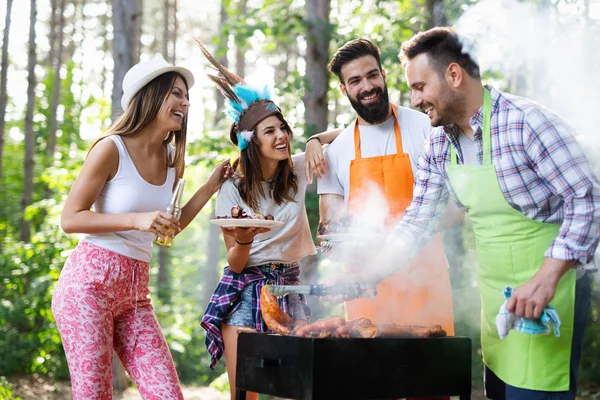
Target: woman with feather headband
(267, 180)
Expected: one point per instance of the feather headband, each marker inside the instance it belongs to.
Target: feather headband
(245, 105)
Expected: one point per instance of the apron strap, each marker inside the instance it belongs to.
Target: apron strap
(485, 134)
(357, 152)
(486, 131)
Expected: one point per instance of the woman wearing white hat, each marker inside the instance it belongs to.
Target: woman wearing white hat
(101, 301)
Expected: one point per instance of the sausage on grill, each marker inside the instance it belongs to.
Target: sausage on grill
(410, 331)
(275, 318)
(321, 328)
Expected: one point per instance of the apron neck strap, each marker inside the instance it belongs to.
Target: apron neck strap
(485, 132)
(357, 152)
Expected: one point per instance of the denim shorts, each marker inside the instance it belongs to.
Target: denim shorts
(243, 316)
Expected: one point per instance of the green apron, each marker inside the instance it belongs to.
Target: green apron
(510, 250)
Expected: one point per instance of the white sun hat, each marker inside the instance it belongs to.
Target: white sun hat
(142, 73)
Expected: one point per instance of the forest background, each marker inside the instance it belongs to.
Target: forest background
(61, 68)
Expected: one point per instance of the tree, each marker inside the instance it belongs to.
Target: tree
(315, 94)
(163, 289)
(127, 28)
(166, 29)
(52, 34)
(240, 45)
(221, 56)
(3, 78)
(29, 133)
(210, 274)
(437, 13)
(317, 57)
(57, 63)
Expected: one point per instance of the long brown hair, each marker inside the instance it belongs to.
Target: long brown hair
(144, 107)
(284, 185)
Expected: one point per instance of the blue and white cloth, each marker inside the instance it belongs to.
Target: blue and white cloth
(505, 321)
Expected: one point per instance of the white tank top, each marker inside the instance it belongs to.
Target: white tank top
(128, 192)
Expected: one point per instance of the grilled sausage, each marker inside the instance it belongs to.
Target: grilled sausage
(410, 331)
(321, 326)
(275, 318)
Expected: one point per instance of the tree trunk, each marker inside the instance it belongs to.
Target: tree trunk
(3, 79)
(315, 97)
(166, 30)
(163, 290)
(29, 134)
(78, 31)
(317, 56)
(127, 28)
(240, 48)
(175, 28)
(437, 13)
(52, 34)
(221, 56)
(211, 273)
(53, 123)
(104, 22)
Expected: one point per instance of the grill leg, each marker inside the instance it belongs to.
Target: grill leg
(241, 394)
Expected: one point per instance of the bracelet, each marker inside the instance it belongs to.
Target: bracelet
(316, 138)
(244, 244)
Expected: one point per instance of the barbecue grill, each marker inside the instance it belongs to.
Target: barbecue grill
(338, 368)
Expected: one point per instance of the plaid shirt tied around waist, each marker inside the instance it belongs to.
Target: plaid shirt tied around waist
(224, 300)
(541, 169)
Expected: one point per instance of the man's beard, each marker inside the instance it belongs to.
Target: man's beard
(374, 113)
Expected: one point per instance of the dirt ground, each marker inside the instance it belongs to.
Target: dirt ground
(38, 388)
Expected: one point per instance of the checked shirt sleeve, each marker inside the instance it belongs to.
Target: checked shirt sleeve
(430, 198)
(558, 159)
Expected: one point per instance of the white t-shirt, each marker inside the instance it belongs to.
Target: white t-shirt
(375, 140)
(128, 192)
(286, 244)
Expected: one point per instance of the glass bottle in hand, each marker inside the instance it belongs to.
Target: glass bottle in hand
(174, 208)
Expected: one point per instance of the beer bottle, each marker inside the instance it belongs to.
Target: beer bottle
(174, 208)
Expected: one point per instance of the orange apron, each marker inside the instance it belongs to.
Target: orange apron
(419, 294)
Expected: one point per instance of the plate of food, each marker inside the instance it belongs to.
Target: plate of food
(239, 218)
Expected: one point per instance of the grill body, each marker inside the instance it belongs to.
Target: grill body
(336, 368)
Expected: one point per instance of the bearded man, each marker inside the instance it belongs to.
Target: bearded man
(373, 161)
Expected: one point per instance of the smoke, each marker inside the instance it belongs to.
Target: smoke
(549, 54)
(362, 247)
(546, 53)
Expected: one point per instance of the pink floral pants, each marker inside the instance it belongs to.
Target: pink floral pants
(101, 303)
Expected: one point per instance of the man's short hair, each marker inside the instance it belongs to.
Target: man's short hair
(443, 47)
(350, 51)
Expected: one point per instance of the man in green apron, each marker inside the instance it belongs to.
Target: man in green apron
(534, 201)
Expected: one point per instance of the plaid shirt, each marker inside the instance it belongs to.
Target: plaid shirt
(541, 170)
(224, 301)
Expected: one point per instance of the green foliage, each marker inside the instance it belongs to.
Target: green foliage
(29, 341)
(6, 390)
(221, 383)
